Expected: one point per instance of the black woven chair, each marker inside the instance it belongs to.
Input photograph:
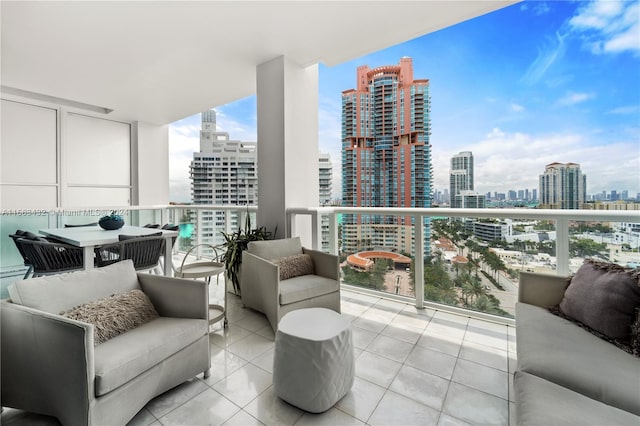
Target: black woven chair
(168, 227)
(48, 258)
(14, 237)
(144, 251)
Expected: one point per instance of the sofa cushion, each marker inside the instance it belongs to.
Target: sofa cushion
(294, 266)
(540, 402)
(557, 350)
(305, 287)
(57, 293)
(275, 249)
(128, 355)
(115, 314)
(634, 342)
(603, 296)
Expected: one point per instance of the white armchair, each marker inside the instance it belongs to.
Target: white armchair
(276, 278)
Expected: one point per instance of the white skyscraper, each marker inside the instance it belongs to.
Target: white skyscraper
(224, 172)
(461, 184)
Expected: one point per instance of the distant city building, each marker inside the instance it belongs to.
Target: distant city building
(460, 177)
(470, 200)
(325, 176)
(563, 186)
(386, 156)
(488, 231)
(224, 172)
(615, 205)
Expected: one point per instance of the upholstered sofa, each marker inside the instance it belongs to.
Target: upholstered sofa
(50, 364)
(566, 375)
(279, 276)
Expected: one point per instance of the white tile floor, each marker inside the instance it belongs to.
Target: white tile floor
(413, 367)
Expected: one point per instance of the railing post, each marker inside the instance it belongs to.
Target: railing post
(562, 246)
(292, 226)
(316, 230)
(198, 233)
(227, 220)
(333, 233)
(418, 229)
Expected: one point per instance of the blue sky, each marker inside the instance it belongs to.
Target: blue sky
(521, 87)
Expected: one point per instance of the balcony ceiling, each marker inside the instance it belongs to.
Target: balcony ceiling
(161, 61)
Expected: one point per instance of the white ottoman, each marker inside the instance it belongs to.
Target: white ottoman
(313, 364)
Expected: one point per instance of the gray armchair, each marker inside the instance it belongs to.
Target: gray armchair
(50, 365)
(263, 289)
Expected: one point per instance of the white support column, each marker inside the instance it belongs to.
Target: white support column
(287, 106)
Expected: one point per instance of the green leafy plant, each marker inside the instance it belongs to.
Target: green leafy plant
(112, 216)
(235, 243)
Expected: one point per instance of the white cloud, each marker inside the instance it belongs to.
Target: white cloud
(553, 51)
(505, 161)
(608, 26)
(541, 8)
(183, 142)
(516, 107)
(623, 110)
(574, 98)
(246, 131)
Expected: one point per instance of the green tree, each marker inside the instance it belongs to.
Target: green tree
(585, 247)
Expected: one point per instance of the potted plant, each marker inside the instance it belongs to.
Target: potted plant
(235, 243)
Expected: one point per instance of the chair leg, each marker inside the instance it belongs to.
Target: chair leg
(29, 270)
(207, 373)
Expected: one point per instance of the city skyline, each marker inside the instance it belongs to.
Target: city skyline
(522, 87)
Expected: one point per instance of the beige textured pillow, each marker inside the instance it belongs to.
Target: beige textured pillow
(115, 314)
(603, 296)
(294, 266)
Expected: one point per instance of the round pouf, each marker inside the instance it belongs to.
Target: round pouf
(313, 364)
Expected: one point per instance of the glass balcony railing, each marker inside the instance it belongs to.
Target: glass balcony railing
(464, 259)
(468, 259)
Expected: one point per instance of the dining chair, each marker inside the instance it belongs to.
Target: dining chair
(49, 258)
(143, 250)
(14, 237)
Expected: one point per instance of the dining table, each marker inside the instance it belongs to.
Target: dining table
(89, 237)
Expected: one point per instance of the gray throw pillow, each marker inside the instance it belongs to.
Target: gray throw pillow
(603, 296)
(115, 314)
(294, 266)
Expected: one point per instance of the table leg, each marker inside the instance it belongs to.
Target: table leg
(168, 261)
(88, 258)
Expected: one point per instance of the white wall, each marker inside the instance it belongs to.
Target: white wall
(53, 156)
(152, 164)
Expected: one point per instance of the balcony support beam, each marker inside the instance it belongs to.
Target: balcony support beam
(287, 107)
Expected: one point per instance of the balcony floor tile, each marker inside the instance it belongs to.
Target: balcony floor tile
(427, 367)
